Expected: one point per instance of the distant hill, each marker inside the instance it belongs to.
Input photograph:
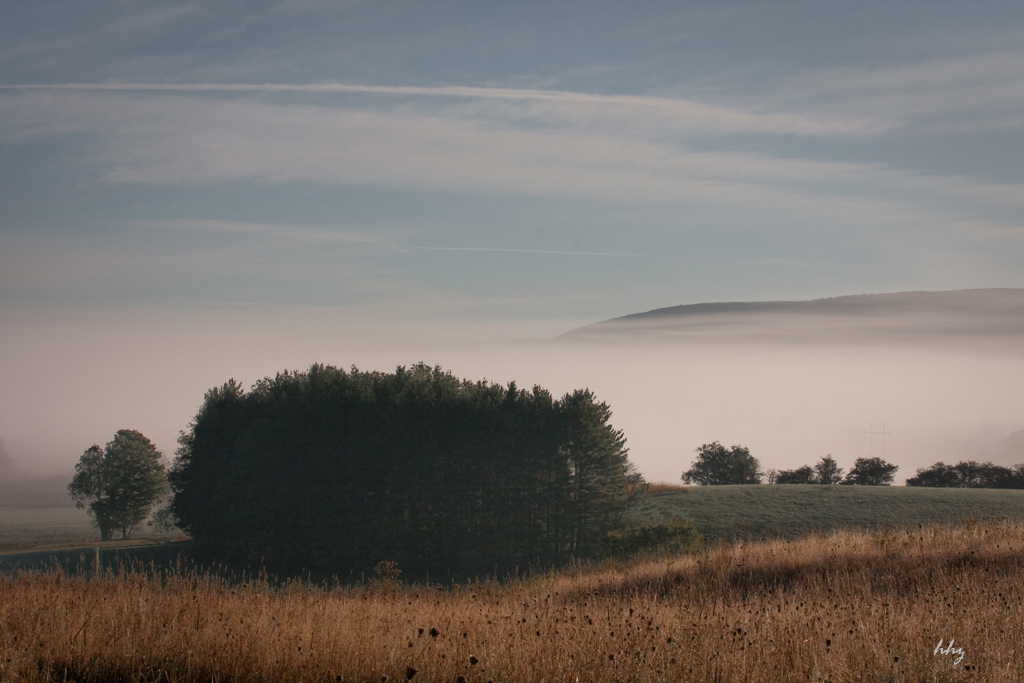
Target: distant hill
(787, 511)
(993, 317)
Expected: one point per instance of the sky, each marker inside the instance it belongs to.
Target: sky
(195, 191)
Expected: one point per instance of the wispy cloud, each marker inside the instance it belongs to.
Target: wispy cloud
(684, 113)
(293, 234)
(952, 95)
(603, 148)
(171, 138)
(977, 92)
(550, 252)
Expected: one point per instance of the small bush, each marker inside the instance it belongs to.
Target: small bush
(652, 540)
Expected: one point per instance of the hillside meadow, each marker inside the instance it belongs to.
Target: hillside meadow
(786, 510)
(36, 538)
(792, 510)
(870, 606)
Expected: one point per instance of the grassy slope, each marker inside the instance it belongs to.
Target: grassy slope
(790, 510)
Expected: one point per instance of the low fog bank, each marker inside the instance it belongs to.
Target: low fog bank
(19, 489)
(34, 490)
(793, 405)
(70, 384)
(976, 320)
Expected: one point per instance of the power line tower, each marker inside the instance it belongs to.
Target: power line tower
(876, 440)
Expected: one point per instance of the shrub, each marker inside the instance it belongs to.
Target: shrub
(801, 475)
(653, 540)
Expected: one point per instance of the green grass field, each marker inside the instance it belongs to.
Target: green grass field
(31, 527)
(39, 537)
(788, 511)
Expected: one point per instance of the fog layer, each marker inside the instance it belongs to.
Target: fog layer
(71, 382)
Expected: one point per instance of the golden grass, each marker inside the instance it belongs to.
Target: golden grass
(665, 487)
(844, 607)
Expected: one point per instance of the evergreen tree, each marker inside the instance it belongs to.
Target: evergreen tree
(827, 471)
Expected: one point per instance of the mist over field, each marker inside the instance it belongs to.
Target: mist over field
(790, 385)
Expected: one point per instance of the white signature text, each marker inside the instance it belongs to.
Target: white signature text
(950, 650)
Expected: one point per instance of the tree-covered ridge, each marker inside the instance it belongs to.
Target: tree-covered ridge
(333, 470)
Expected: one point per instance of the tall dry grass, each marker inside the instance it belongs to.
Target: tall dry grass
(843, 607)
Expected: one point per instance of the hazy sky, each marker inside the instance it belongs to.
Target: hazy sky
(191, 191)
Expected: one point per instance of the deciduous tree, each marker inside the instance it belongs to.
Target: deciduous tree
(969, 474)
(119, 483)
(871, 472)
(718, 465)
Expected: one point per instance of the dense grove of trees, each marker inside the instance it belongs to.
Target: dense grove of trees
(328, 470)
(970, 474)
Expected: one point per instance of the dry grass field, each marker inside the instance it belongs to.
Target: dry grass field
(843, 607)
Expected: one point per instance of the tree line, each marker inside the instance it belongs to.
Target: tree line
(970, 474)
(865, 472)
(330, 470)
(717, 465)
